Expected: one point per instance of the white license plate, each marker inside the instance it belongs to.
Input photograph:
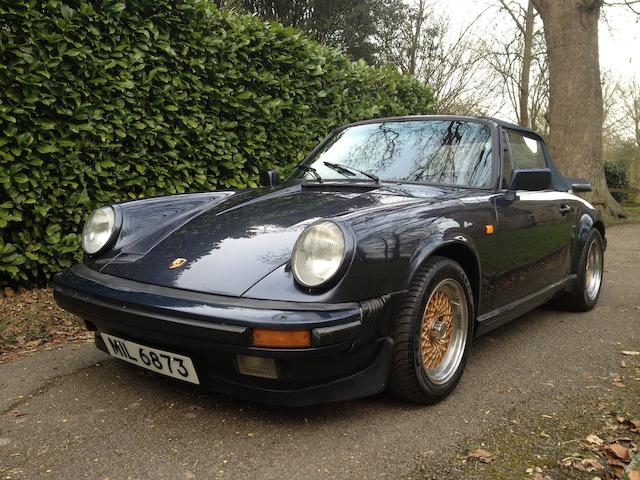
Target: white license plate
(167, 363)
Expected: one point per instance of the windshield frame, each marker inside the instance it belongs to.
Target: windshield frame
(495, 152)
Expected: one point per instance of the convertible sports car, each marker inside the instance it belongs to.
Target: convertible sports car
(372, 267)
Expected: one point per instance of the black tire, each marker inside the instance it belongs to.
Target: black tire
(408, 379)
(578, 299)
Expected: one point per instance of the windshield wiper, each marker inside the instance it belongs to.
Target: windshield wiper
(311, 170)
(338, 167)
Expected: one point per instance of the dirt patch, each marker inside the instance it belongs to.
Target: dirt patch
(592, 435)
(30, 320)
(633, 216)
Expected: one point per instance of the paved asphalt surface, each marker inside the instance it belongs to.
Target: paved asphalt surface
(86, 415)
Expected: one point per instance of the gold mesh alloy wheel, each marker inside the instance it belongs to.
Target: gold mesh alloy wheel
(437, 324)
(443, 334)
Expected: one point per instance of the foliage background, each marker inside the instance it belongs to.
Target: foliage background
(617, 177)
(104, 101)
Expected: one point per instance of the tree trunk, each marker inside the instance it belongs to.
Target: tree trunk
(526, 65)
(416, 36)
(575, 94)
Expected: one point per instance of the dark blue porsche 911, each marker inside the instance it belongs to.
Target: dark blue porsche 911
(390, 248)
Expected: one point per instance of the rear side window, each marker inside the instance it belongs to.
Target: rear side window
(520, 152)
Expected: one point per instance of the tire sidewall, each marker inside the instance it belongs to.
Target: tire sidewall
(449, 269)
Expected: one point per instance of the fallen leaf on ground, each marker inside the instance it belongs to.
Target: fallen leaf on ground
(31, 320)
(634, 424)
(592, 464)
(631, 353)
(595, 439)
(615, 462)
(620, 451)
(574, 462)
(481, 455)
(17, 413)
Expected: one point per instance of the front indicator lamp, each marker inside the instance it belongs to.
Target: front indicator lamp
(264, 337)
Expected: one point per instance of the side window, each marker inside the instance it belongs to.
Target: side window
(521, 152)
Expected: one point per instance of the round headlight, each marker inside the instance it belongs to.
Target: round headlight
(318, 254)
(98, 229)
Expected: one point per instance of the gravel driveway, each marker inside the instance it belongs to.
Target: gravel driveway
(76, 413)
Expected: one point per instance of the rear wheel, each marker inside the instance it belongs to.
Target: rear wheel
(433, 333)
(586, 291)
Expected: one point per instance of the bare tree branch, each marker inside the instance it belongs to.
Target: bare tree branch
(517, 20)
(634, 5)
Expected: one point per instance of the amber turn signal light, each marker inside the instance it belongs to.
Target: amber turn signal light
(263, 337)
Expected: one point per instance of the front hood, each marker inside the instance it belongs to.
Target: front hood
(239, 241)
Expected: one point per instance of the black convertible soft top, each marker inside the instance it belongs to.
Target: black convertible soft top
(497, 121)
(512, 126)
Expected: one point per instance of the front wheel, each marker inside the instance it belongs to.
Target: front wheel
(433, 333)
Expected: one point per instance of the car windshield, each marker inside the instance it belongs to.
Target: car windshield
(451, 152)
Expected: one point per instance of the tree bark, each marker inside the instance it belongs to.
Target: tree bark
(527, 55)
(575, 94)
(414, 46)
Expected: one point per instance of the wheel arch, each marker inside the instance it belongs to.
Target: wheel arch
(584, 226)
(460, 252)
(599, 225)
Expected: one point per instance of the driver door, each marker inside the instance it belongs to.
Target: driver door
(534, 230)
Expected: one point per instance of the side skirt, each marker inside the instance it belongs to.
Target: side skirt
(506, 313)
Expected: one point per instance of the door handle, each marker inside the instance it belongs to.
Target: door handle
(565, 209)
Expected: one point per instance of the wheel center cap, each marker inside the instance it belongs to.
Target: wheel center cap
(438, 330)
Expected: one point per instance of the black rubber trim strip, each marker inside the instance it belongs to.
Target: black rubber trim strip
(124, 284)
(335, 334)
(91, 308)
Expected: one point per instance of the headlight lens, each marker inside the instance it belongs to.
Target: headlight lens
(318, 254)
(98, 229)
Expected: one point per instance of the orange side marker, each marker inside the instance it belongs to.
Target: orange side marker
(488, 229)
(263, 337)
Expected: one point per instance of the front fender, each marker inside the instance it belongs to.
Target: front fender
(438, 243)
(386, 261)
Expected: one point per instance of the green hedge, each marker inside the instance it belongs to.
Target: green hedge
(617, 177)
(104, 101)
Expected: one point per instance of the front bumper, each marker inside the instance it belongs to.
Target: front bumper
(350, 351)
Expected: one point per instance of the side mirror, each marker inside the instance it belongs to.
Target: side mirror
(268, 178)
(579, 184)
(532, 179)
